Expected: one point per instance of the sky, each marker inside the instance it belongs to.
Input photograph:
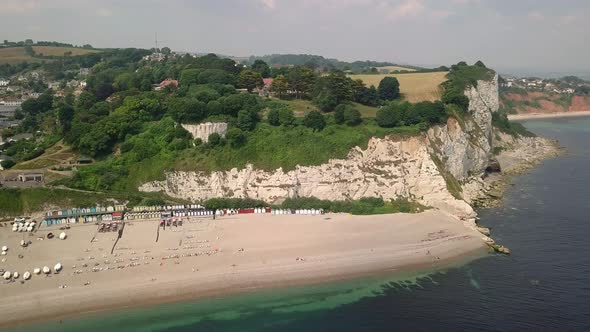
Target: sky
(508, 35)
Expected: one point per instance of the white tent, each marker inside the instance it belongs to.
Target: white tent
(46, 270)
(27, 275)
(4, 248)
(57, 267)
(62, 236)
(15, 275)
(7, 275)
(36, 270)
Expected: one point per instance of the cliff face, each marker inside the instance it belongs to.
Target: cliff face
(418, 168)
(203, 130)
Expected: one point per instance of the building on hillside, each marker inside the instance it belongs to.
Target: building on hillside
(84, 71)
(264, 91)
(30, 177)
(72, 84)
(166, 83)
(4, 82)
(53, 85)
(11, 102)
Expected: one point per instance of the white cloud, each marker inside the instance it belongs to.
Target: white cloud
(536, 16)
(270, 4)
(17, 6)
(408, 8)
(104, 12)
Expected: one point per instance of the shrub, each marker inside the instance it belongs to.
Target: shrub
(6, 164)
(274, 118)
(214, 139)
(352, 116)
(235, 137)
(286, 117)
(314, 120)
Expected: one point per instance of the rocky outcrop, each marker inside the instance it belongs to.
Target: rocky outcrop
(203, 130)
(419, 168)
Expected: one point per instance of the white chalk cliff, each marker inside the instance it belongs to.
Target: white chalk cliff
(417, 168)
(203, 130)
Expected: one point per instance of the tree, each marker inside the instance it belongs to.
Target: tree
(274, 117)
(214, 139)
(286, 117)
(352, 116)
(339, 114)
(249, 79)
(236, 137)
(280, 86)
(368, 96)
(189, 77)
(314, 120)
(480, 64)
(261, 67)
(326, 102)
(388, 88)
(247, 120)
(301, 80)
(166, 50)
(6, 164)
(336, 86)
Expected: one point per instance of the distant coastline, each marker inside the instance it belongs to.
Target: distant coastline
(518, 117)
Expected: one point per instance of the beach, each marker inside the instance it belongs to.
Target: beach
(206, 257)
(517, 117)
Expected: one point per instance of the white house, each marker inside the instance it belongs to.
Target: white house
(4, 82)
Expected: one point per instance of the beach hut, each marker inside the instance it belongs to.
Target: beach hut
(7, 275)
(46, 270)
(57, 267)
(27, 275)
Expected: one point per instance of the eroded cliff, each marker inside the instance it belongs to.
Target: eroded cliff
(432, 168)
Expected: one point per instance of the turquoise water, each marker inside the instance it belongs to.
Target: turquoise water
(543, 286)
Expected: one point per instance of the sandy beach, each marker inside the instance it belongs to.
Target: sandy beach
(516, 117)
(206, 257)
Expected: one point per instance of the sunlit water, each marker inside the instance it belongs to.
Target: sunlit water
(543, 286)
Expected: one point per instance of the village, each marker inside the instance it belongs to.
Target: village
(566, 86)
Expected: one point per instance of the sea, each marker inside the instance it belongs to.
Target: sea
(543, 286)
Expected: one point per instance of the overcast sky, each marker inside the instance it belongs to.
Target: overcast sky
(506, 34)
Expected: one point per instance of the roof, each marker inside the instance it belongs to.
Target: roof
(169, 82)
(267, 81)
(31, 174)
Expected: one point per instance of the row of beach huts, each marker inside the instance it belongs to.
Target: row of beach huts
(119, 213)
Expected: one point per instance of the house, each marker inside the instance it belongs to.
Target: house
(83, 84)
(53, 85)
(4, 82)
(84, 71)
(20, 137)
(72, 84)
(264, 91)
(30, 177)
(166, 83)
(11, 102)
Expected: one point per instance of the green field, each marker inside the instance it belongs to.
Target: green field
(14, 55)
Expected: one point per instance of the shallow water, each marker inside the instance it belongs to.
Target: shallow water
(543, 286)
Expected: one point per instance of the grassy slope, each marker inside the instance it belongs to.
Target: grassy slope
(13, 55)
(395, 68)
(415, 87)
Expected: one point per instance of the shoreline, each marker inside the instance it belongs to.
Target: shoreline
(334, 247)
(532, 116)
